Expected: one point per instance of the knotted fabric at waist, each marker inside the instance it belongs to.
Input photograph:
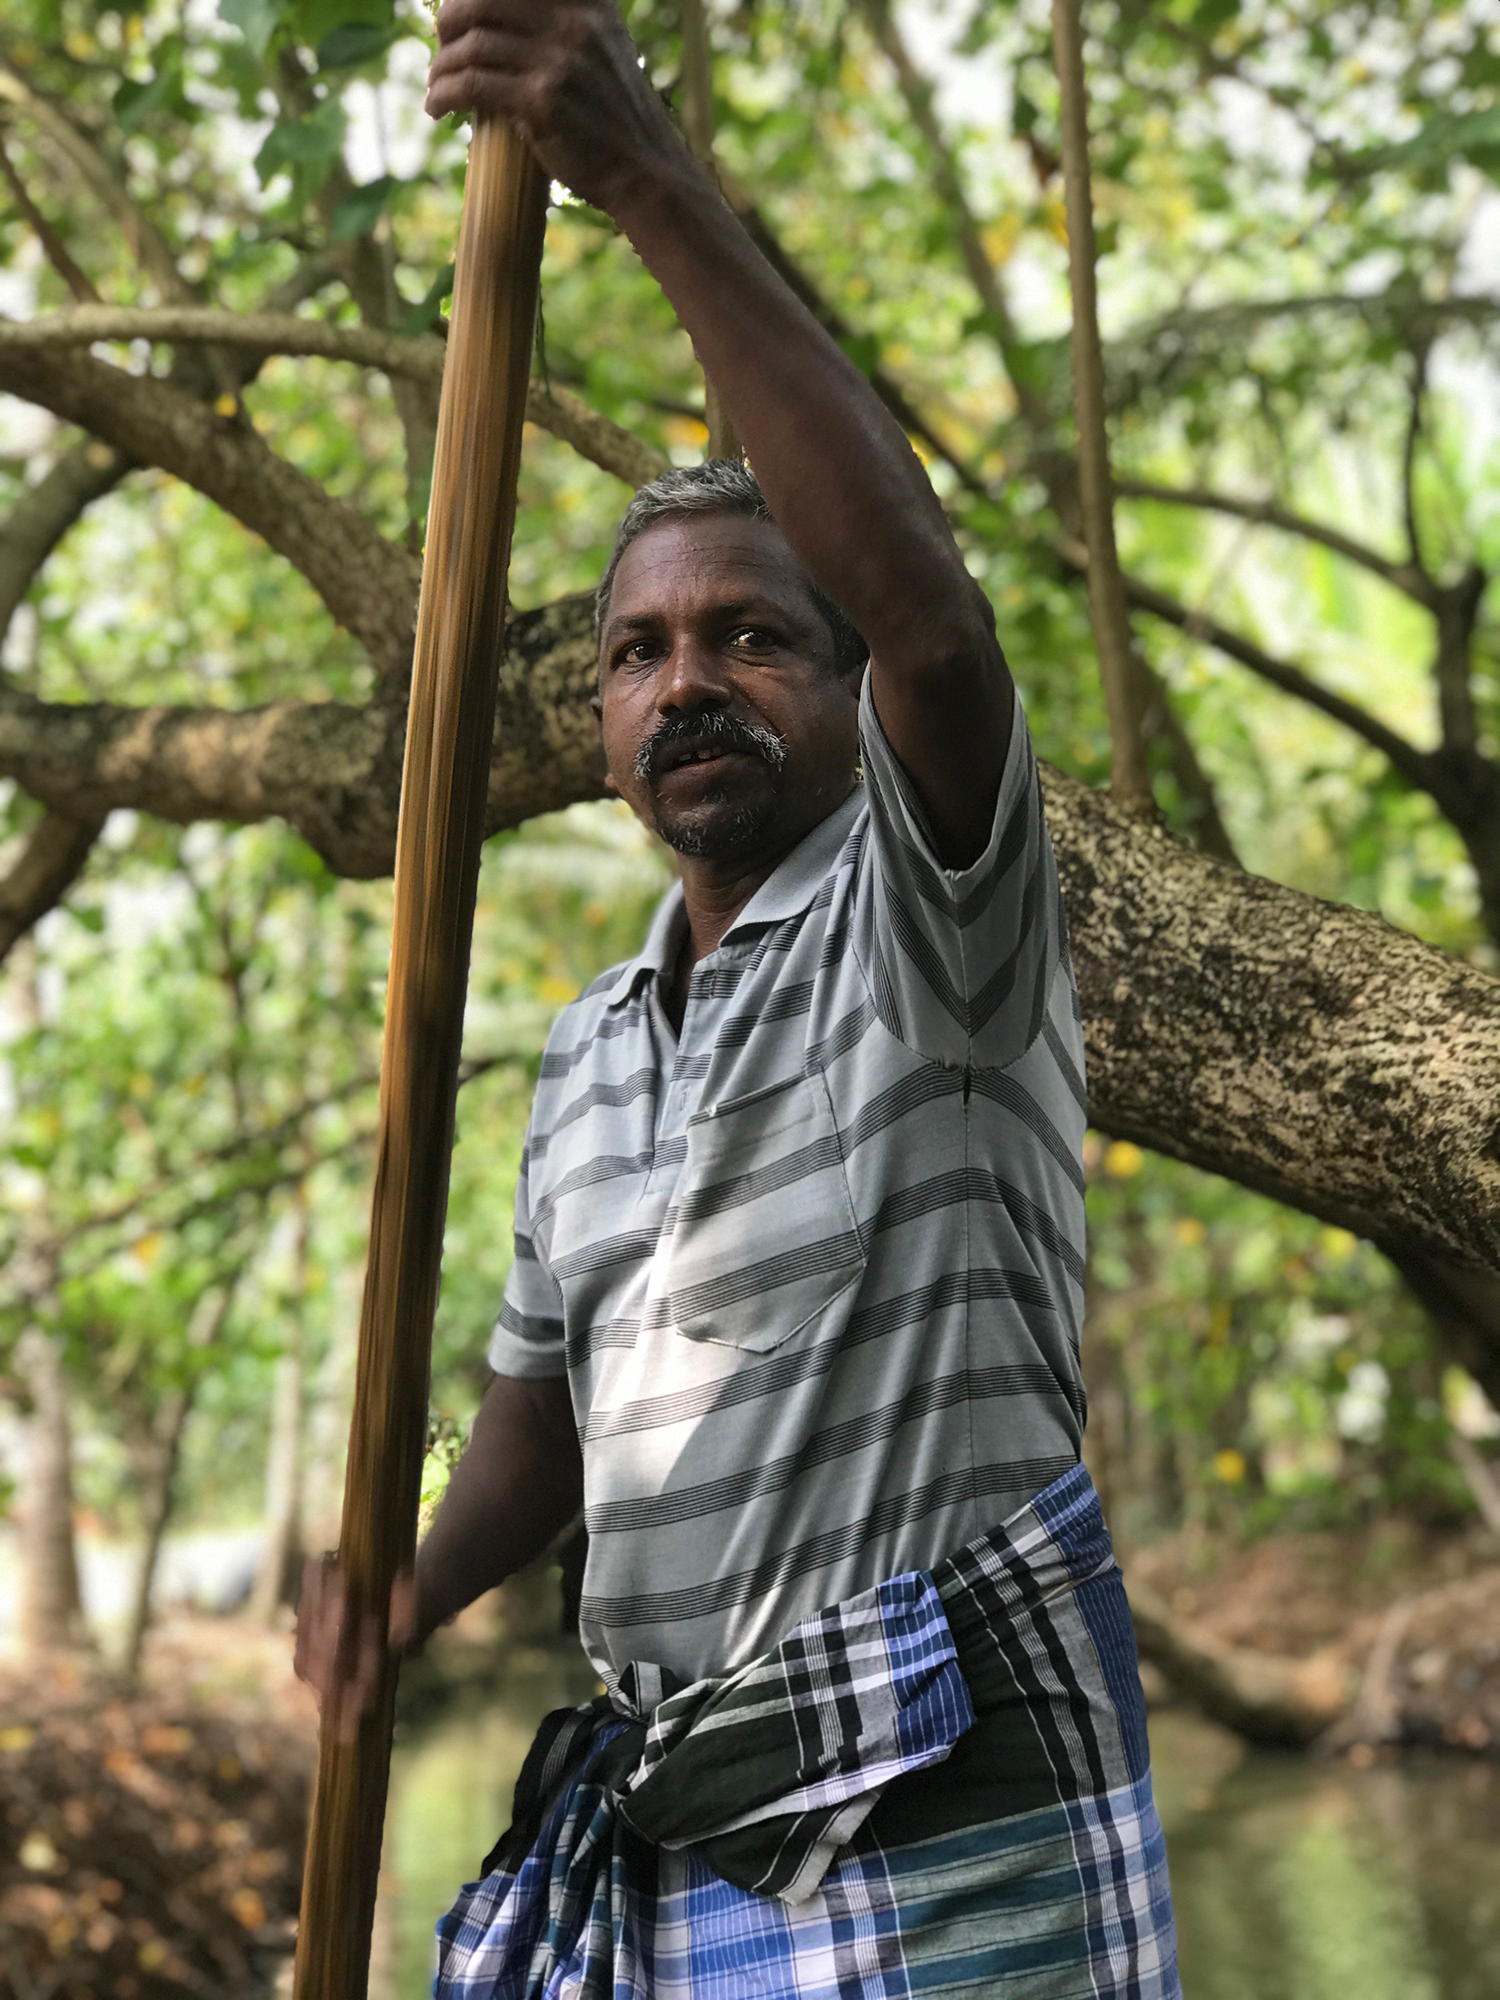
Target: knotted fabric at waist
(770, 1770)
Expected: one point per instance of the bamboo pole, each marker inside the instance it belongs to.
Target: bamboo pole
(460, 628)
(1130, 778)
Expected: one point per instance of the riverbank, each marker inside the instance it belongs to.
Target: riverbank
(150, 1838)
(1403, 1623)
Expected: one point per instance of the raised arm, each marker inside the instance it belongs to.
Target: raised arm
(845, 486)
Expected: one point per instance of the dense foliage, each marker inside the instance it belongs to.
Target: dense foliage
(1297, 204)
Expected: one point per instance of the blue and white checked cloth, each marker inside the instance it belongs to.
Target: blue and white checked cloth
(744, 1836)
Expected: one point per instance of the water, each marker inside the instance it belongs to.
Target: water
(1293, 1880)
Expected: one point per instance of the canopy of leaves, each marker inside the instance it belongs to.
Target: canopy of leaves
(1298, 219)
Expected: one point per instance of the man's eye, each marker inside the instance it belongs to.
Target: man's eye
(751, 635)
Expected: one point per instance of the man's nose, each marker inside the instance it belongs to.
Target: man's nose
(692, 676)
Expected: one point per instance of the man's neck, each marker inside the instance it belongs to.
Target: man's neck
(713, 898)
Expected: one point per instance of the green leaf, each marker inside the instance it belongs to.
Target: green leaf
(135, 101)
(257, 20)
(295, 142)
(425, 312)
(358, 213)
(356, 42)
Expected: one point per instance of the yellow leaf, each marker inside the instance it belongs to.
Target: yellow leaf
(246, 1908)
(226, 405)
(1123, 1159)
(685, 433)
(146, 1249)
(17, 1738)
(558, 991)
(37, 1853)
(1001, 236)
(1188, 1230)
(1230, 1467)
(1338, 1244)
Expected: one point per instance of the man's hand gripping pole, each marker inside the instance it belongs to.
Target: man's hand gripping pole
(460, 633)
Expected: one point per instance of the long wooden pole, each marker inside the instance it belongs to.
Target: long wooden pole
(460, 632)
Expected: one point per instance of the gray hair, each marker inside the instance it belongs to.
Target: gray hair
(721, 486)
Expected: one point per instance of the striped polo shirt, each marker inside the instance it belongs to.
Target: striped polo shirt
(814, 1265)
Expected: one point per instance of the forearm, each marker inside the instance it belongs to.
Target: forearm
(847, 490)
(518, 1484)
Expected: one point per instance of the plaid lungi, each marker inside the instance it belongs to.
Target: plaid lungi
(940, 1786)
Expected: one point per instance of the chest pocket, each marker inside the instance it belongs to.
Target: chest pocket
(764, 1235)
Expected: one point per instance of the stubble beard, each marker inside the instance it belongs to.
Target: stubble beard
(707, 834)
(715, 828)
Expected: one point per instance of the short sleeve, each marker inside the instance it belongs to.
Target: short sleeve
(528, 1336)
(961, 959)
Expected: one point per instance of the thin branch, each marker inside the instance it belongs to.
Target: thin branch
(698, 130)
(916, 90)
(1176, 336)
(1456, 606)
(50, 862)
(266, 332)
(1267, 514)
(607, 445)
(45, 512)
(369, 584)
(1415, 765)
(1409, 457)
(1130, 778)
(553, 409)
(149, 247)
(77, 280)
(885, 385)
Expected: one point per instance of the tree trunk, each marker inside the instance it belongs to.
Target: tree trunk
(51, 1604)
(156, 1470)
(281, 1554)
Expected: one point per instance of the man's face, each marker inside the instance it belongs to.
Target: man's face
(726, 727)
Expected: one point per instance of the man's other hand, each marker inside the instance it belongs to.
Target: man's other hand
(339, 1655)
(568, 75)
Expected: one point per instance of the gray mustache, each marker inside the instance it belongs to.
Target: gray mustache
(714, 726)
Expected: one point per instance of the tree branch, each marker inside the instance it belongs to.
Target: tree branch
(1267, 514)
(332, 771)
(608, 445)
(1409, 458)
(553, 409)
(45, 512)
(148, 246)
(368, 583)
(264, 332)
(1301, 1048)
(58, 255)
(697, 94)
(1176, 337)
(50, 862)
(916, 90)
(1415, 765)
(1130, 777)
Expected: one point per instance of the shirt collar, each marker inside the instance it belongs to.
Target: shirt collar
(785, 892)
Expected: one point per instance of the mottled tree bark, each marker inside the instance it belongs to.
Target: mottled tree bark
(51, 1605)
(1302, 1048)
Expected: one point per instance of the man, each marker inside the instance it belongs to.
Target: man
(799, 1232)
